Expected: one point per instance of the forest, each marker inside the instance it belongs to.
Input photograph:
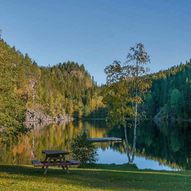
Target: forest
(67, 89)
(170, 95)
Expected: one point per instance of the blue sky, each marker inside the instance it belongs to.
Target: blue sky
(96, 32)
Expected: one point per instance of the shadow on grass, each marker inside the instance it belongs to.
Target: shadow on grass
(103, 177)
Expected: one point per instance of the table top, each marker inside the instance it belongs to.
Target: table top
(55, 152)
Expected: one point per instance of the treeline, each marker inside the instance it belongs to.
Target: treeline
(67, 88)
(170, 94)
(64, 89)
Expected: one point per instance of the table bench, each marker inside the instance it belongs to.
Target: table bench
(55, 158)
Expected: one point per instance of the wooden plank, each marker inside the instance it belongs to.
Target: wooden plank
(105, 139)
(55, 152)
(37, 163)
(73, 162)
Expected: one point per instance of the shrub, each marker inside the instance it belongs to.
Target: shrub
(83, 150)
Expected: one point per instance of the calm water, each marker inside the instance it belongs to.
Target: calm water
(164, 147)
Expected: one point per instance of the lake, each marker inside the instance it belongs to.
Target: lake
(158, 147)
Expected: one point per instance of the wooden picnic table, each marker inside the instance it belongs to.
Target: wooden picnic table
(55, 158)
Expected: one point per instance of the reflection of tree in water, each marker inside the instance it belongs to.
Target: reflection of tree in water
(128, 145)
(167, 143)
(130, 152)
(50, 137)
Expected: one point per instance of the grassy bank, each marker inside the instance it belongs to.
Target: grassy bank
(99, 177)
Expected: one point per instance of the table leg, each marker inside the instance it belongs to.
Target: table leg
(65, 168)
(47, 159)
(45, 171)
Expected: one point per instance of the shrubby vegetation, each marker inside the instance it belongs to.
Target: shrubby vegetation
(83, 150)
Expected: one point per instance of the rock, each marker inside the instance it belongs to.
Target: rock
(38, 119)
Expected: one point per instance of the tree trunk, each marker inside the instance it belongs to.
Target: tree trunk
(134, 141)
(136, 116)
(127, 144)
(135, 129)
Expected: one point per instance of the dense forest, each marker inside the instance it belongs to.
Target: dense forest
(170, 94)
(64, 89)
(67, 89)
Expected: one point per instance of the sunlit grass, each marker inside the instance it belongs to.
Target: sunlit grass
(100, 177)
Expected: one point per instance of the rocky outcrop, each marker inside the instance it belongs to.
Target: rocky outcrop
(36, 116)
(38, 119)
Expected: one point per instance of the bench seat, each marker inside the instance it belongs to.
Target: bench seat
(38, 163)
(73, 162)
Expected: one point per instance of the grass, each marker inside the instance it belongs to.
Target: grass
(98, 177)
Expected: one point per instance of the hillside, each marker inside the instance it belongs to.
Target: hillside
(66, 89)
(170, 94)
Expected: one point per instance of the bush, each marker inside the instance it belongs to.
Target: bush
(83, 150)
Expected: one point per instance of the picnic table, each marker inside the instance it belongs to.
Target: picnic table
(55, 158)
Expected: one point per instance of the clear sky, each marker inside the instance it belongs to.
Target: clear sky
(96, 32)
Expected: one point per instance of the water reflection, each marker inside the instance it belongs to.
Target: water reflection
(50, 137)
(157, 146)
(110, 156)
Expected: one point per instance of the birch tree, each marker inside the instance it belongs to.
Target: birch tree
(127, 83)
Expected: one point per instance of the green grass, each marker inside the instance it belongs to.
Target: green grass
(98, 177)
